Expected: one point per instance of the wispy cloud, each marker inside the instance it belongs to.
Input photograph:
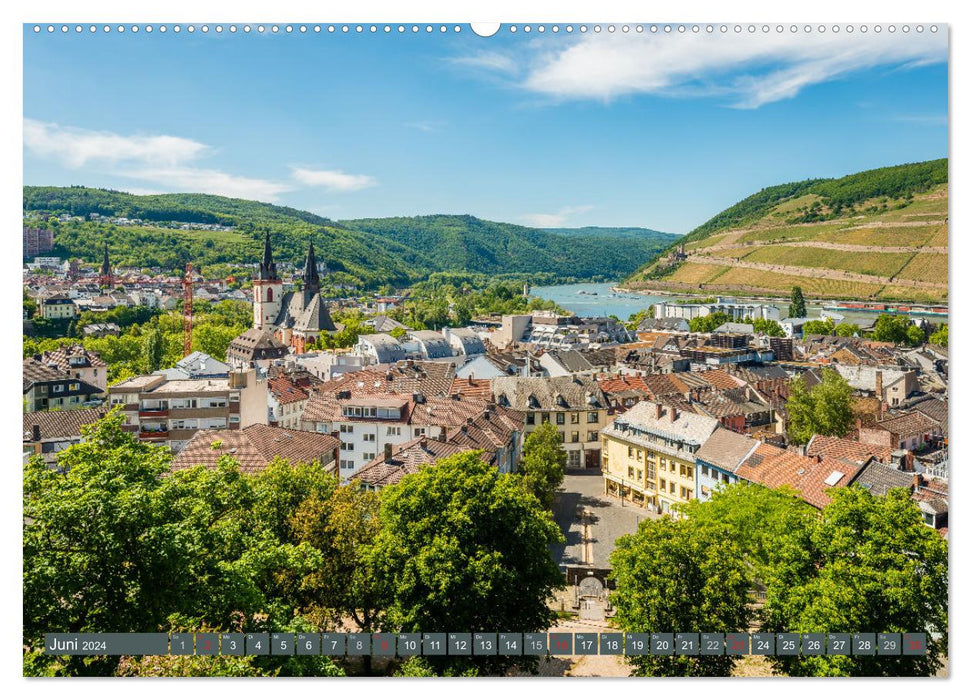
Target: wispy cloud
(205, 181)
(166, 161)
(332, 180)
(555, 219)
(488, 60)
(747, 70)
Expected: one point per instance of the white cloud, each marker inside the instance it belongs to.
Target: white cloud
(182, 179)
(332, 180)
(426, 126)
(489, 60)
(749, 70)
(76, 148)
(166, 161)
(554, 220)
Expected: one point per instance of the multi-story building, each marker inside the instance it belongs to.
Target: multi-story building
(37, 241)
(649, 454)
(57, 307)
(76, 361)
(170, 411)
(369, 421)
(735, 310)
(47, 387)
(718, 460)
(577, 406)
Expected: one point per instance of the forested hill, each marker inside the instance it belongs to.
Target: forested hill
(365, 252)
(458, 243)
(880, 234)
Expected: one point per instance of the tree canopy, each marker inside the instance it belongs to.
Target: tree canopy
(826, 409)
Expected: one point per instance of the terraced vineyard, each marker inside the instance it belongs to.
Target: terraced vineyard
(886, 240)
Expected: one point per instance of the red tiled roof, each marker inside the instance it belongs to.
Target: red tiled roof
(285, 391)
(256, 445)
(806, 475)
(850, 450)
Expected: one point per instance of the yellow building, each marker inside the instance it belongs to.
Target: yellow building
(648, 454)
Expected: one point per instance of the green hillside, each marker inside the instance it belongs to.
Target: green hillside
(879, 234)
(466, 243)
(366, 252)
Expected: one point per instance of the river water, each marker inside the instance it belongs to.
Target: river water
(590, 299)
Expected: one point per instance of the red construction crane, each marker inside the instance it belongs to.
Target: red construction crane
(187, 311)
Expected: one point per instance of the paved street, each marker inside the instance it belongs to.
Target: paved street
(581, 506)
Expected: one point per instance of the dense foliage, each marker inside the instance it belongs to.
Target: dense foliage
(462, 547)
(897, 329)
(364, 253)
(543, 465)
(864, 564)
(826, 409)
(114, 541)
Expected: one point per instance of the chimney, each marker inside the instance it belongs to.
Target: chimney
(657, 411)
(878, 384)
(35, 432)
(881, 410)
(673, 412)
(917, 483)
(387, 451)
(909, 462)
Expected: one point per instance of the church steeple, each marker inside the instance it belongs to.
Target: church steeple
(267, 266)
(104, 274)
(311, 278)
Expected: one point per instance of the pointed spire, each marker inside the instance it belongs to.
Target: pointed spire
(267, 266)
(105, 265)
(311, 278)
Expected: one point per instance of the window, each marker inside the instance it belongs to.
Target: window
(347, 446)
(725, 478)
(650, 471)
(630, 472)
(370, 437)
(546, 417)
(394, 430)
(630, 451)
(704, 471)
(562, 437)
(561, 419)
(530, 418)
(575, 436)
(58, 388)
(574, 418)
(640, 475)
(573, 459)
(347, 464)
(640, 455)
(671, 487)
(419, 432)
(592, 417)
(368, 456)
(664, 485)
(347, 428)
(592, 436)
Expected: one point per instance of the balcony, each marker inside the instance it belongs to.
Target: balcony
(153, 434)
(153, 413)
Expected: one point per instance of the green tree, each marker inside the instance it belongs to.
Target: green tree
(868, 564)
(891, 329)
(915, 336)
(154, 350)
(824, 410)
(767, 326)
(342, 527)
(463, 547)
(847, 330)
(797, 304)
(939, 337)
(707, 324)
(823, 326)
(680, 575)
(543, 465)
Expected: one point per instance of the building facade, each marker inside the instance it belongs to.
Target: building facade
(170, 411)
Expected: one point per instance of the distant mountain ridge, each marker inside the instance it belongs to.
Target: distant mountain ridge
(636, 232)
(879, 235)
(365, 252)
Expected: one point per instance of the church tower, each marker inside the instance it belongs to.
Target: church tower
(267, 290)
(105, 278)
(311, 276)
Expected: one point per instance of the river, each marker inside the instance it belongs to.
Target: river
(593, 299)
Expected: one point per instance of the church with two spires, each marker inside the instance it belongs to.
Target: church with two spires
(296, 318)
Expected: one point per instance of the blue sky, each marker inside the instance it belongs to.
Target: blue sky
(661, 131)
